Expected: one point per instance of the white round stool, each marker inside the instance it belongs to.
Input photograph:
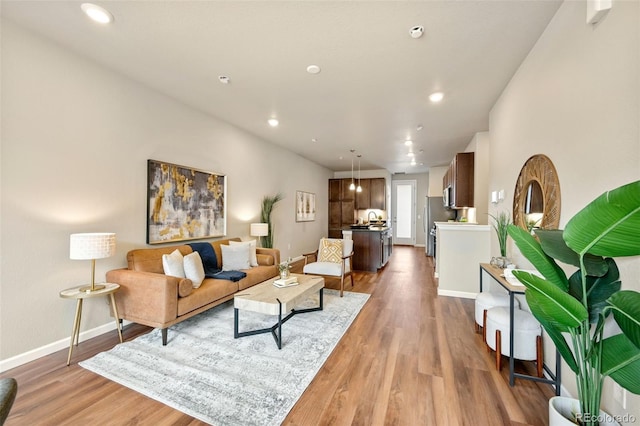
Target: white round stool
(487, 300)
(527, 336)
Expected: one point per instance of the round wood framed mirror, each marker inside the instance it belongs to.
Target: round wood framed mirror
(536, 199)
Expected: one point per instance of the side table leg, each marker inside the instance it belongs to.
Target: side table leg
(75, 332)
(115, 313)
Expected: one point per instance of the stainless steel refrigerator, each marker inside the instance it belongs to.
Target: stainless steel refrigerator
(434, 211)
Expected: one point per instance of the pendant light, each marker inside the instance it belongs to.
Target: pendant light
(359, 188)
(353, 185)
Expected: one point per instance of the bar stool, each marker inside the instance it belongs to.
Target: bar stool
(487, 300)
(527, 336)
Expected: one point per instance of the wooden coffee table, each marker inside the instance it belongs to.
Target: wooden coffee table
(265, 298)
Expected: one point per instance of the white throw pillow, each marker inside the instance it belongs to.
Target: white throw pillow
(253, 258)
(193, 268)
(172, 264)
(235, 257)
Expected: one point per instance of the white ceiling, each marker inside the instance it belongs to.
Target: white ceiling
(371, 94)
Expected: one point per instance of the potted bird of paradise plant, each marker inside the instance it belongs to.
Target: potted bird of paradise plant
(573, 310)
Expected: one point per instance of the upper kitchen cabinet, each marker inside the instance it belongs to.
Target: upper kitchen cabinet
(372, 195)
(363, 198)
(378, 195)
(458, 180)
(341, 206)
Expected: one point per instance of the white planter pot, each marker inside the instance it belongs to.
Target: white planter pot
(562, 411)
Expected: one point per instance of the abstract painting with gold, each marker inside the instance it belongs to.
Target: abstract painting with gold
(184, 203)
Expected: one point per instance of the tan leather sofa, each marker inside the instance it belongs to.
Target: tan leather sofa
(148, 296)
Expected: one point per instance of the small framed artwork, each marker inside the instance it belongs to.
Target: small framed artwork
(305, 206)
(184, 203)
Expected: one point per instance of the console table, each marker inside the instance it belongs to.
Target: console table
(497, 274)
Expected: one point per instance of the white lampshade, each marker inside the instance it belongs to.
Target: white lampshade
(92, 245)
(259, 229)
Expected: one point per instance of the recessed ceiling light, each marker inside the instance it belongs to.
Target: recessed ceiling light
(314, 140)
(224, 79)
(97, 13)
(420, 127)
(313, 69)
(408, 142)
(436, 96)
(411, 154)
(273, 122)
(413, 162)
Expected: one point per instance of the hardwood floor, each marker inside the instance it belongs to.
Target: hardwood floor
(409, 358)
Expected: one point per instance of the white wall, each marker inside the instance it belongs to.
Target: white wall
(75, 141)
(436, 175)
(576, 99)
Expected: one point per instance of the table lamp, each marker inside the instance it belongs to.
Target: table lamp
(92, 246)
(259, 230)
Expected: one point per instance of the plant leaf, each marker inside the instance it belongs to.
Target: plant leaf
(598, 289)
(626, 311)
(532, 250)
(550, 304)
(554, 246)
(621, 361)
(608, 226)
(558, 339)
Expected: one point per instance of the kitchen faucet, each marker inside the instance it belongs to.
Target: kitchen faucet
(369, 216)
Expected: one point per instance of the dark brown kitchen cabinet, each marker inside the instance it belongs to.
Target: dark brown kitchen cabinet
(371, 249)
(342, 202)
(377, 194)
(363, 198)
(372, 195)
(458, 180)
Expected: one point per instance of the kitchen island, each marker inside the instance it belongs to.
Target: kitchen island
(372, 246)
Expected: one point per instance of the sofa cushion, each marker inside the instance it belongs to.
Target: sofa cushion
(257, 275)
(265, 259)
(172, 264)
(208, 257)
(193, 268)
(253, 260)
(235, 258)
(185, 287)
(150, 259)
(210, 291)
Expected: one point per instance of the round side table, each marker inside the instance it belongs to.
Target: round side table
(75, 293)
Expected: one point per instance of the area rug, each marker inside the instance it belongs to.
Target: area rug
(206, 373)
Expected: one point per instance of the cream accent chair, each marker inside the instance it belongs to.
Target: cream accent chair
(338, 266)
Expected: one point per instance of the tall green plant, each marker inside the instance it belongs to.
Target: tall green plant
(577, 307)
(500, 223)
(268, 202)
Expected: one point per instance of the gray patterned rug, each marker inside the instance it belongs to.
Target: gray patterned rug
(206, 373)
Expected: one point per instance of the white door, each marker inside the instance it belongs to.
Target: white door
(403, 210)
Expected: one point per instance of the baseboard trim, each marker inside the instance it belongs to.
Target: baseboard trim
(453, 293)
(32, 355)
